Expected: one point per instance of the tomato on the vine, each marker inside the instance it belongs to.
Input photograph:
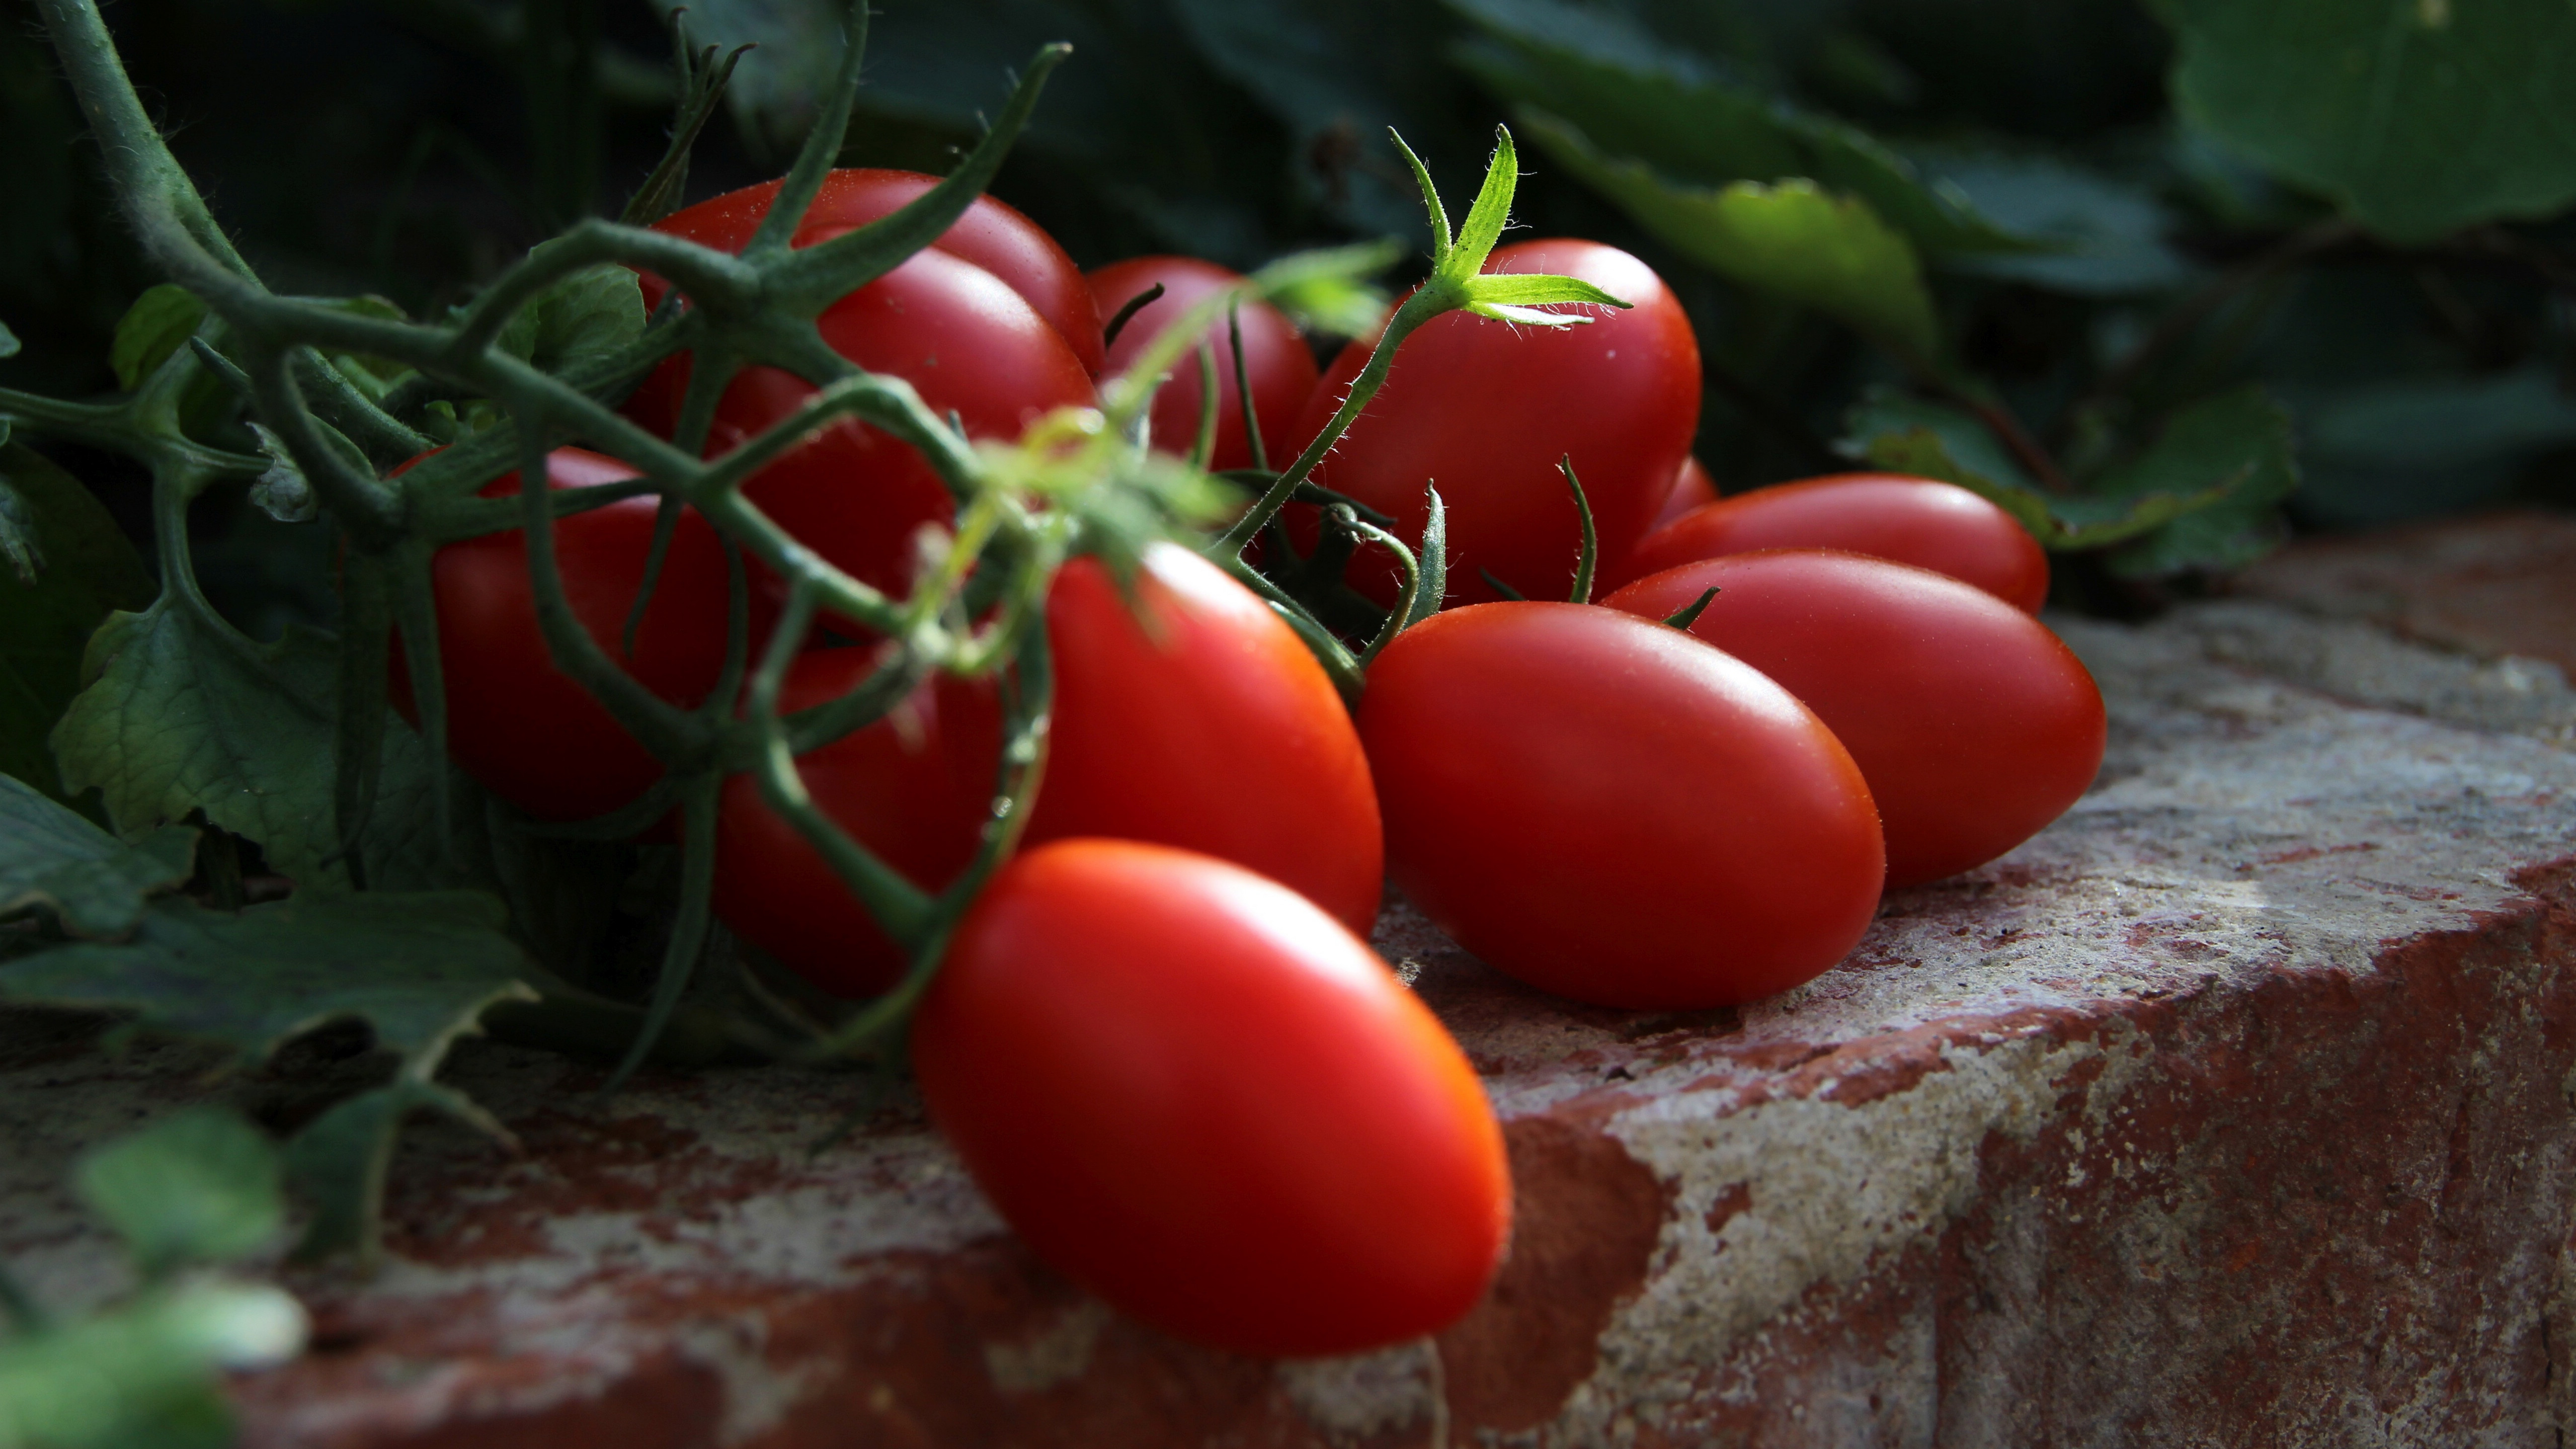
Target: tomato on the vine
(914, 788)
(1939, 526)
(1608, 810)
(1974, 725)
(1484, 409)
(968, 343)
(992, 234)
(526, 730)
(1206, 725)
(1200, 1097)
(1274, 354)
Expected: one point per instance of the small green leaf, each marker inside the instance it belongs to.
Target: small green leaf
(158, 324)
(418, 968)
(200, 1186)
(144, 1375)
(45, 625)
(8, 341)
(338, 1162)
(1832, 253)
(2238, 443)
(96, 885)
(181, 714)
(2419, 117)
(585, 316)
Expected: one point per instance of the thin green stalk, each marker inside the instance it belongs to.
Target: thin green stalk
(688, 930)
(1243, 386)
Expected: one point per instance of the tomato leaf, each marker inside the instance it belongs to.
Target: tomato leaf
(2237, 442)
(582, 318)
(95, 884)
(417, 967)
(1910, 435)
(46, 622)
(1830, 252)
(200, 1186)
(2109, 235)
(185, 714)
(338, 1162)
(144, 1376)
(1643, 103)
(159, 323)
(2417, 118)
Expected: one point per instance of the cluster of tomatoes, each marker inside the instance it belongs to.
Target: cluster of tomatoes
(1159, 1039)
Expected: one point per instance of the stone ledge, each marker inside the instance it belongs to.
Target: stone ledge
(2235, 1108)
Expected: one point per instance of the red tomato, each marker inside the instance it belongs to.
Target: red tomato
(1208, 726)
(1484, 409)
(913, 788)
(525, 730)
(1692, 488)
(991, 235)
(1933, 525)
(1198, 1096)
(1283, 371)
(856, 496)
(1612, 812)
(1974, 725)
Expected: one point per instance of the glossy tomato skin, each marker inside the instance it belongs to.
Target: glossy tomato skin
(967, 342)
(524, 729)
(1206, 726)
(1198, 1096)
(1610, 811)
(1692, 488)
(912, 787)
(1274, 353)
(1974, 725)
(1920, 521)
(991, 234)
(1484, 409)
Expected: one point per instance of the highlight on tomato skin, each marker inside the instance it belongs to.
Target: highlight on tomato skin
(1274, 353)
(1920, 521)
(1608, 810)
(1195, 1094)
(1974, 724)
(525, 730)
(1486, 409)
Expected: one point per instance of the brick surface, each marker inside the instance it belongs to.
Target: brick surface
(2235, 1109)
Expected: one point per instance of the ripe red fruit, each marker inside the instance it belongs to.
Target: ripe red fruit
(1198, 1096)
(1274, 353)
(1484, 409)
(1610, 811)
(1933, 525)
(524, 729)
(1974, 725)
